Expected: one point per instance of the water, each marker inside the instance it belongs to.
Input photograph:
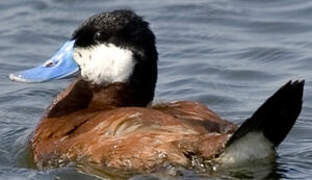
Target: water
(228, 54)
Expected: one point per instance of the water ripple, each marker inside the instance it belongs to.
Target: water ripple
(229, 55)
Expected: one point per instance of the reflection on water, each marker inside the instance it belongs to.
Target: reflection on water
(230, 55)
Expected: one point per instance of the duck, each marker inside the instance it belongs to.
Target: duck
(106, 121)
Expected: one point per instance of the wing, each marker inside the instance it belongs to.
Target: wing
(197, 116)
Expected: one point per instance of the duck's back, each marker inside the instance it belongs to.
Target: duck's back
(132, 138)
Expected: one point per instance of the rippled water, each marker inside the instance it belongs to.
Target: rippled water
(228, 54)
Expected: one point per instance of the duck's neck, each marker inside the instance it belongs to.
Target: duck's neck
(83, 95)
(117, 95)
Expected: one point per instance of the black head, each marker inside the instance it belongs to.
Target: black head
(117, 46)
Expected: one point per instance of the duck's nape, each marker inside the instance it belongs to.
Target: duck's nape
(59, 66)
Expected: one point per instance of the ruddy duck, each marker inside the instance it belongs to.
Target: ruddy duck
(105, 118)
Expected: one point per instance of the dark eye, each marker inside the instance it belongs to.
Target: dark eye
(100, 36)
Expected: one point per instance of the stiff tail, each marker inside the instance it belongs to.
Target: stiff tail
(268, 126)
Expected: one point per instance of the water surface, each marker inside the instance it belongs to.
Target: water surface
(228, 54)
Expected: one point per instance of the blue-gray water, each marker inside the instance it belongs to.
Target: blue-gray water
(228, 54)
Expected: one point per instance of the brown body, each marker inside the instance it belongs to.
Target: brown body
(99, 126)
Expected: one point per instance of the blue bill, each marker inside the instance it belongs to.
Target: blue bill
(61, 65)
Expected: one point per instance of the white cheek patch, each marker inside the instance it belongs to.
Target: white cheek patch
(104, 63)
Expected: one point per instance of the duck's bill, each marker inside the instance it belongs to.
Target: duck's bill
(60, 66)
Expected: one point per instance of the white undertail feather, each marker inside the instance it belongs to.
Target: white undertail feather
(104, 63)
(253, 146)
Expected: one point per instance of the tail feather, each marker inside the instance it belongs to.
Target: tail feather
(276, 116)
